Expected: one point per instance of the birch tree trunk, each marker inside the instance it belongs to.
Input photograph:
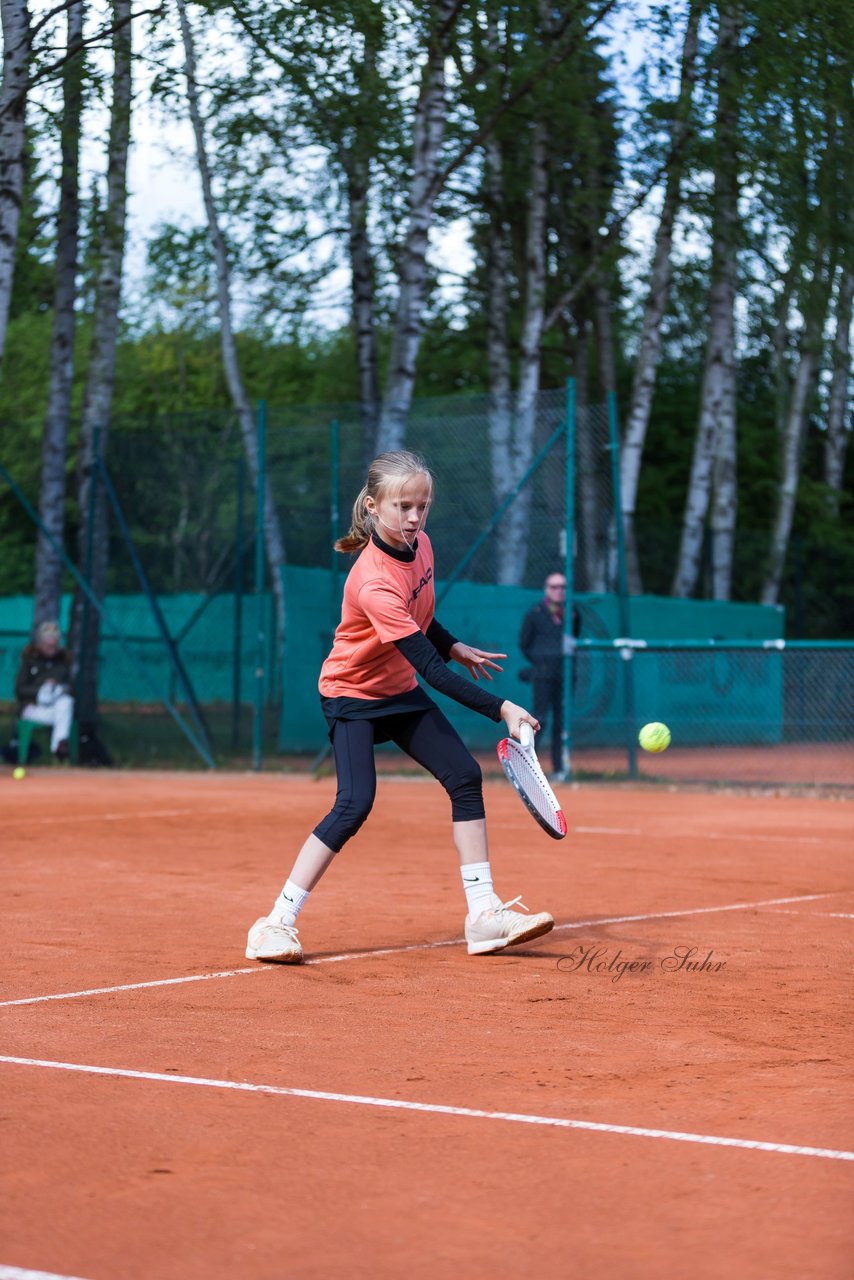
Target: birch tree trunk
(98, 396)
(429, 132)
(609, 572)
(500, 411)
(17, 50)
(716, 426)
(363, 312)
(605, 341)
(649, 346)
(513, 546)
(793, 442)
(589, 505)
(48, 581)
(725, 492)
(838, 426)
(274, 544)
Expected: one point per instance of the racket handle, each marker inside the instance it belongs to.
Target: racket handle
(526, 734)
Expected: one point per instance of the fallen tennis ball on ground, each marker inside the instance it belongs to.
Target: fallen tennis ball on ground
(19, 773)
(654, 737)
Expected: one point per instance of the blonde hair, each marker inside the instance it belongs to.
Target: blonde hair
(387, 474)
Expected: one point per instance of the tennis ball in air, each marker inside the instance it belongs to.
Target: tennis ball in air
(19, 773)
(654, 737)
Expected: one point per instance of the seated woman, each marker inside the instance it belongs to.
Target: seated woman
(43, 686)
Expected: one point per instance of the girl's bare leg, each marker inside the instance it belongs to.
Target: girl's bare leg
(311, 862)
(470, 839)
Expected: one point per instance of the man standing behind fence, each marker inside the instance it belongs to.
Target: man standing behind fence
(42, 686)
(541, 642)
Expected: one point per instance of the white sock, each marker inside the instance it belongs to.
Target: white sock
(289, 903)
(477, 882)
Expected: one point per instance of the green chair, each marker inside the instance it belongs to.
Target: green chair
(26, 729)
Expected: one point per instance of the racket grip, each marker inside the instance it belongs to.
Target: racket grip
(526, 734)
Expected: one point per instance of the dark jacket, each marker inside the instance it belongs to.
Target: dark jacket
(541, 638)
(35, 668)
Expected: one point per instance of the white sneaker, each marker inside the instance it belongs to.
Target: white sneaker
(275, 941)
(499, 927)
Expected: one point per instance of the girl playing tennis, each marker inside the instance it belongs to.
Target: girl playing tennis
(369, 694)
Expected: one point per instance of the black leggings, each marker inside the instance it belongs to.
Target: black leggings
(426, 736)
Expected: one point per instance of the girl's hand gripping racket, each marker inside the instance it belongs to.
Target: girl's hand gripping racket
(520, 763)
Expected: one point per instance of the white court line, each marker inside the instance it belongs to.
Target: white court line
(129, 986)
(703, 835)
(417, 946)
(355, 1099)
(421, 946)
(24, 1273)
(692, 911)
(823, 915)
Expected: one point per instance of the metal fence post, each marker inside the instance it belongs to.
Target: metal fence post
(568, 568)
(622, 589)
(334, 483)
(85, 610)
(237, 655)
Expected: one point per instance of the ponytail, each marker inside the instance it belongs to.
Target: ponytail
(361, 526)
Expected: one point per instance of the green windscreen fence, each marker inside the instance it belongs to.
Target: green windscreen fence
(742, 705)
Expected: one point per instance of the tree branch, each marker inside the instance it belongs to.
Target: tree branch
(551, 64)
(46, 73)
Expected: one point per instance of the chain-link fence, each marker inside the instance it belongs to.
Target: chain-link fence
(739, 712)
(189, 632)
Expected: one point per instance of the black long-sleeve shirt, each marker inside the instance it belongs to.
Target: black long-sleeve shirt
(426, 657)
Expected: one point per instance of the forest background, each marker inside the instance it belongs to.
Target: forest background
(406, 200)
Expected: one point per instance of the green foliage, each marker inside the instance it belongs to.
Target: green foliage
(319, 98)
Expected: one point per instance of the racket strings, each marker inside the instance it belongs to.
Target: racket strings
(533, 782)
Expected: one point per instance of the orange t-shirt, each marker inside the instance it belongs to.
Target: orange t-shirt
(385, 599)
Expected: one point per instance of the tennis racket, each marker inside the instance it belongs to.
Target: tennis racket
(520, 763)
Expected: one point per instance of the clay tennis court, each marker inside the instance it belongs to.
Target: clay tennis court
(585, 1106)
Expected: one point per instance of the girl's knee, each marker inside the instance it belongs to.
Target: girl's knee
(466, 792)
(347, 815)
(469, 778)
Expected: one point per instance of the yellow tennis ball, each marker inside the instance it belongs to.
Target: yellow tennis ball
(19, 773)
(654, 737)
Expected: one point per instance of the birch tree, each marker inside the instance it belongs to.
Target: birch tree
(332, 90)
(794, 435)
(561, 32)
(817, 276)
(17, 52)
(100, 375)
(512, 551)
(48, 580)
(427, 137)
(715, 435)
(839, 402)
(655, 307)
(272, 532)
(533, 159)
(839, 397)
